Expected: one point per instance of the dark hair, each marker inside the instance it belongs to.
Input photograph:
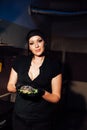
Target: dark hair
(35, 32)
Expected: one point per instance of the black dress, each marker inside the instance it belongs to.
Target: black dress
(30, 114)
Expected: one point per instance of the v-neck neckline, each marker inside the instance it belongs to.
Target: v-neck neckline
(39, 70)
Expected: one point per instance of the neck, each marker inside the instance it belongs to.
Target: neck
(38, 60)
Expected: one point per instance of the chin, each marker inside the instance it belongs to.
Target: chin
(39, 54)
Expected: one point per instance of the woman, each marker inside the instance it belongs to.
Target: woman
(40, 73)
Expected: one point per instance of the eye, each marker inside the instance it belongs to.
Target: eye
(31, 43)
(40, 40)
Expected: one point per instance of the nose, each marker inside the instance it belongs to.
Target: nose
(36, 45)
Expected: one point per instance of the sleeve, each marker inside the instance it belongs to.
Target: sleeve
(17, 63)
(56, 68)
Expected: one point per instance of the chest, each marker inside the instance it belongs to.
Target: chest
(40, 77)
(34, 71)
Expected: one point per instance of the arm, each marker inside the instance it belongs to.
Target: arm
(12, 81)
(56, 84)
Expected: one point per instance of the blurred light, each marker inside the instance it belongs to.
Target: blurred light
(0, 66)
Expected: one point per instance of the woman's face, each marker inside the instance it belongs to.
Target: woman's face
(36, 45)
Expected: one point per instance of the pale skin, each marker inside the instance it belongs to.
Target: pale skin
(37, 46)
